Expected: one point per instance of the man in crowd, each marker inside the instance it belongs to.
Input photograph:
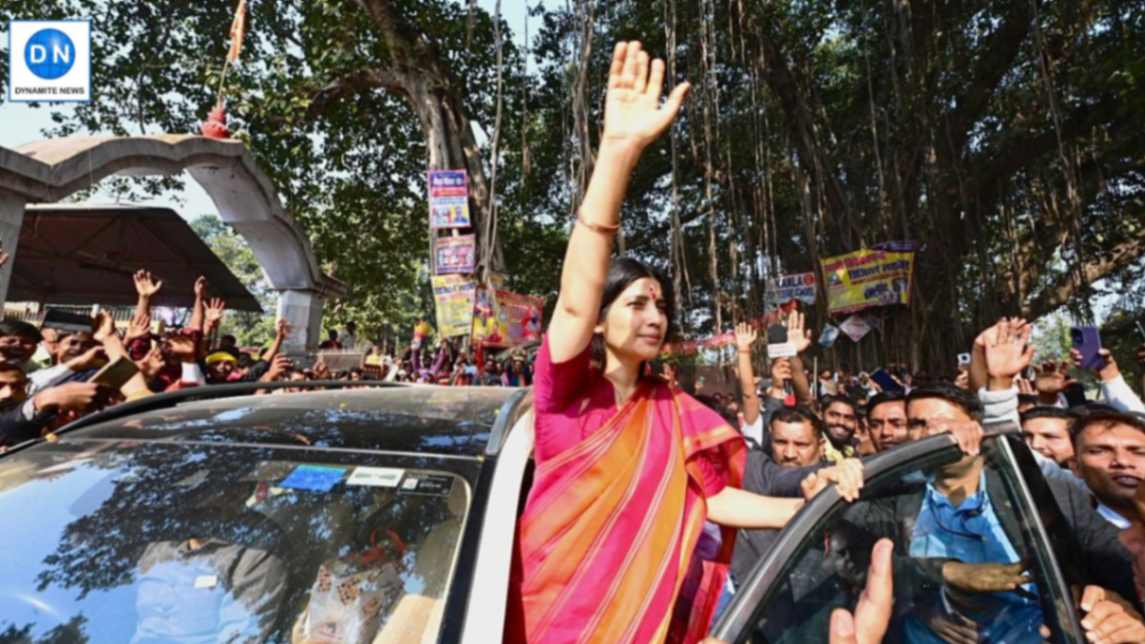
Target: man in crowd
(18, 341)
(796, 437)
(841, 416)
(1110, 458)
(886, 420)
(1046, 430)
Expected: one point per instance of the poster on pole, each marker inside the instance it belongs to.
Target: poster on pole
(783, 289)
(448, 199)
(867, 278)
(455, 254)
(454, 297)
(506, 319)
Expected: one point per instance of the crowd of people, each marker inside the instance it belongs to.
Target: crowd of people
(643, 491)
(49, 374)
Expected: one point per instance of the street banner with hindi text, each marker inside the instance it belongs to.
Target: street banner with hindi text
(454, 297)
(455, 254)
(449, 199)
(785, 288)
(867, 278)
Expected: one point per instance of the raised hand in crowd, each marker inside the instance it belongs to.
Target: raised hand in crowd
(183, 348)
(977, 373)
(800, 339)
(215, 310)
(282, 330)
(279, 366)
(1007, 352)
(138, 328)
(746, 336)
(797, 333)
(198, 310)
(146, 286)
(92, 358)
(633, 118)
(1050, 381)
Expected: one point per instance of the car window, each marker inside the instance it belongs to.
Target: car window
(149, 542)
(943, 509)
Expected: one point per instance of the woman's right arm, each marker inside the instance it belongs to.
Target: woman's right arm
(633, 118)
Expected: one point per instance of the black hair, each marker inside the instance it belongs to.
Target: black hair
(1027, 398)
(622, 272)
(797, 415)
(884, 397)
(840, 398)
(1095, 413)
(967, 401)
(19, 328)
(1047, 411)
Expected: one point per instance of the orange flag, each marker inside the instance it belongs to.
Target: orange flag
(238, 29)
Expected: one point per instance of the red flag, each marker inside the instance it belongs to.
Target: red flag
(238, 29)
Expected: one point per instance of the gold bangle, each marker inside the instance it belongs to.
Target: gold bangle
(598, 228)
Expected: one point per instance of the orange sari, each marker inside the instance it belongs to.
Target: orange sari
(611, 525)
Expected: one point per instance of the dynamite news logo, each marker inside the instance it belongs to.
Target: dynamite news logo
(49, 60)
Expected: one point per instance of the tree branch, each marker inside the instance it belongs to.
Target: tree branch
(1105, 264)
(352, 84)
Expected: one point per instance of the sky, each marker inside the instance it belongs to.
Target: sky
(20, 124)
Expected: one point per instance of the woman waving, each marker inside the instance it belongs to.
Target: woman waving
(627, 468)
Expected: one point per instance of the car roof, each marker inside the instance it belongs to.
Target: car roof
(445, 421)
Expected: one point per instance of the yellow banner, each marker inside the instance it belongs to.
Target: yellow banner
(453, 297)
(867, 278)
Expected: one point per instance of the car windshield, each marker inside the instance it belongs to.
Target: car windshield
(156, 541)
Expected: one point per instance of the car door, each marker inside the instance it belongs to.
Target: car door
(820, 560)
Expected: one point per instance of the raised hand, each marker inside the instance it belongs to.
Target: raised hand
(1051, 379)
(283, 328)
(633, 115)
(796, 335)
(138, 328)
(216, 307)
(145, 284)
(201, 287)
(183, 348)
(103, 325)
(745, 336)
(1008, 352)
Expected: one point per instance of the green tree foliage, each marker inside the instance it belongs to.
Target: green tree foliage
(249, 328)
(1002, 134)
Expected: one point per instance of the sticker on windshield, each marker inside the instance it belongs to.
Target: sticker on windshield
(432, 484)
(375, 476)
(317, 478)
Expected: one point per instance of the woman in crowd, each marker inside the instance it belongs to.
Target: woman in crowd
(627, 468)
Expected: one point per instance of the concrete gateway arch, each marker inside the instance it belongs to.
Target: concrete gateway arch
(50, 170)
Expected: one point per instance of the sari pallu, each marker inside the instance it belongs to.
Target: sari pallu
(611, 524)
